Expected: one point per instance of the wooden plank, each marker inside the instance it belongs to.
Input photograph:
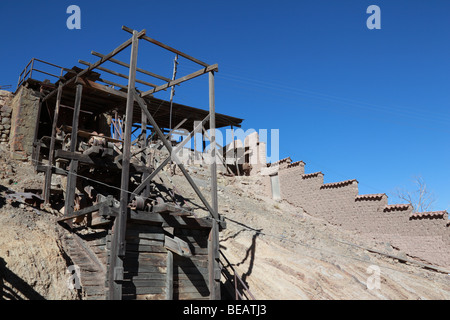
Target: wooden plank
(175, 82)
(145, 268)
(87, 210)
(162, 45)
(168, 145)
(48, 176)
(127, 66)
(177, 246)
(95, 65)
(145, 262)
(144, 276)
(170, 221)
(142, 290)
(169, 276)
(145, 283)
(73, 167)
(155, 247)
(120, 223)
(118, 74)
(139, 237)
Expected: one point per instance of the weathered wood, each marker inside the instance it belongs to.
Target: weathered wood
(142, 290)
(175, 82)
(85, 211)
(127, 66)
(213, 258)
(162, 45)
(168, 220)
(169, 148)
(177, 246)
(48, 176)
(145, 268)
(148, 241)
(118, 74)
(96, 162)
(154, 247)
(118, 244)
(73, 167)
(169, 276)
(95, 65)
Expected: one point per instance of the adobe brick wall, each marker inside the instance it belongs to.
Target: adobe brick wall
(425, 236)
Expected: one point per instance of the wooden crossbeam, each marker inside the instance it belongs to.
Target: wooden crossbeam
(118, 74)
(116, 51)
(175, 82)
(126, 65)
(162, 45)
(167, 144)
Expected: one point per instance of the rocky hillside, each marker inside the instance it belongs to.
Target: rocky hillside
(279, 251)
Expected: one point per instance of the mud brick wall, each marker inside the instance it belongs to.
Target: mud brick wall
(425, 236)
(25, 106)
(5, 116)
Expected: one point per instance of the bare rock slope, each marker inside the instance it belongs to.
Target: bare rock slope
(278, 250)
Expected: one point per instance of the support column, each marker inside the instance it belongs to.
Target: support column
(73, 167)
(51, 154)
(120, 223)
(213, 250)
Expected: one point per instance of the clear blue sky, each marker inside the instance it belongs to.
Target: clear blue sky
(349, 101)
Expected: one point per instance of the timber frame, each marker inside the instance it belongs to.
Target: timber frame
(120, 213)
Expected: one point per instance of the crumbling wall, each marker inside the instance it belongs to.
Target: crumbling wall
(25, 106)
(425, 236)
(5, 116)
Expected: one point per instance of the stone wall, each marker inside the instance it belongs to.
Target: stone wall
(5, 116)
(25, 106)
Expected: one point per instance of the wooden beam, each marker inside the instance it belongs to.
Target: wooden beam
(162, 45)
(137, 69)
(48, 176)
(170, 149)
(116, 51)
(212, 126)
(118, 74)
(73, 167)
(175, 82)
(169, 276)
(118, 245)
(97, 86)
(168, 220)
(82, 212)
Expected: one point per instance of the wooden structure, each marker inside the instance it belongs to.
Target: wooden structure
(138, 245)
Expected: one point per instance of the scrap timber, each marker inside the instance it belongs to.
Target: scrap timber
(128, 234)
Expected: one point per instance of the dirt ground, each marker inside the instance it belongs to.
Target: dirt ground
(278, 250)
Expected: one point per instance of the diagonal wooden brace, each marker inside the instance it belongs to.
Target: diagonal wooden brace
(167, 144)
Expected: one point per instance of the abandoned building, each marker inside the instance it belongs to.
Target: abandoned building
(80, 130)
(101, 144)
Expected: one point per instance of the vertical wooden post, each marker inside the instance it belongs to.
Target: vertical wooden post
(144, 157)
(36, 143)
(73, 167)
(169, 276)
(213, 250)
(51, 154)
(120, 224)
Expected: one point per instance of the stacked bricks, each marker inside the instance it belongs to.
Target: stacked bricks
(5, 116)
(424, 236)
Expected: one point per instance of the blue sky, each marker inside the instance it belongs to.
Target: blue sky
(351, 102)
